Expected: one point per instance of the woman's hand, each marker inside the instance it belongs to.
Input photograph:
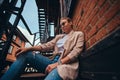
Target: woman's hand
(21, 50)
(50, 67)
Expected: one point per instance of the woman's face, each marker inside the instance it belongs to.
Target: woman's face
(65, 26)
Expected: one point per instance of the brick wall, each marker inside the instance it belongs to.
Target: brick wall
(96, 18)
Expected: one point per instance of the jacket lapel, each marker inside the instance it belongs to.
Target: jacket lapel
(68, 43)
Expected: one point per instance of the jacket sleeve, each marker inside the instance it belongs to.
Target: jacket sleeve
(77, 49)
(49, 45)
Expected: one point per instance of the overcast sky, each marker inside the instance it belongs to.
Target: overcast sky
(26, 34)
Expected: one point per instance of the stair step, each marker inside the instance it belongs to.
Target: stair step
(32, 75)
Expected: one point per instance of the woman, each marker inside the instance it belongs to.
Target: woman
(64, 66)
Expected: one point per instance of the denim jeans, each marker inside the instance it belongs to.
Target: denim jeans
(36, 60)
(53, 75)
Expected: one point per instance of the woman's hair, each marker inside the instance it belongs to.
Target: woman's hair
(68, 19)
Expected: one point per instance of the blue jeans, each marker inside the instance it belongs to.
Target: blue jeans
(37, 61)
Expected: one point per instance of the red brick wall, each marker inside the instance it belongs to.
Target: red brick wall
(96, 18)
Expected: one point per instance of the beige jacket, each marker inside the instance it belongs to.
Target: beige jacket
(73, 47)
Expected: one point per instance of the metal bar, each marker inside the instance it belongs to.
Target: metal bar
(26, 24)
(9, 38)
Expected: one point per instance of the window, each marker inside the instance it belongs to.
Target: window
(14, 37)
(51, 30)
(20, 41)
(10, 49)
(1, 44)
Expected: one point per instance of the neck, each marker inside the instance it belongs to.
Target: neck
(69, 31)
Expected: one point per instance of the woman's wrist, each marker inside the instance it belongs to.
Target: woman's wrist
(59, 62)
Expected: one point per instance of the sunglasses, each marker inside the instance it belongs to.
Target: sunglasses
(62, 24)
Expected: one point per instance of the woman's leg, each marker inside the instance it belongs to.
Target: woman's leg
(53, 75)
(15, 69)
(38, 61)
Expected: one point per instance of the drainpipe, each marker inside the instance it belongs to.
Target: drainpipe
(61, 8)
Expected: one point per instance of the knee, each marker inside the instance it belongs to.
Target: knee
(29, 53)
(25, 55)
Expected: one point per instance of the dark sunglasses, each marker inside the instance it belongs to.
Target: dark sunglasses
(62, 24)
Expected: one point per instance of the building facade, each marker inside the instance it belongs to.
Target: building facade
(18, 41)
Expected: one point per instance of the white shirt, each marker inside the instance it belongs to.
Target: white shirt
(60, 44)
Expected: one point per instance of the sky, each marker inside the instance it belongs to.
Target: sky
(26, 34)
(30, 15)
